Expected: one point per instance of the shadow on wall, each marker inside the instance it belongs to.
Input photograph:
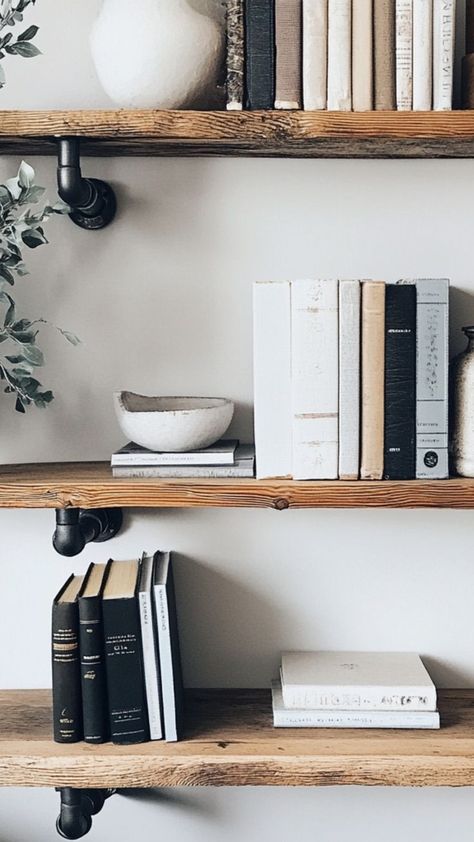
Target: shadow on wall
(461, 314)
(173, 800)
(452, 678)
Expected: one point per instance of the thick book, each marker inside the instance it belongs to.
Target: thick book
(356, 681)
(362, 56)
(272, 378)
(372, 379)
(168, 646)
(349, 379)
(299, 718)
(444, 28)
(339, 55)
(288, 41)
(260, 54)
(404, 54)
(315, 54)
(221, 453)
(384, 56)
(315, 376)
(243, 467)
(123, 655)
(91, 636)
(422, 55)
(400, 382)
(235, 55)
(150, 648)
(66, 667)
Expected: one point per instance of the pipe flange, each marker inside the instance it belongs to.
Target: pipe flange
(103, 198)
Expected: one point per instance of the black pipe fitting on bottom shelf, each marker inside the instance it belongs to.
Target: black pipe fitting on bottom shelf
(77, 808)
(93, 202)
(77, 527)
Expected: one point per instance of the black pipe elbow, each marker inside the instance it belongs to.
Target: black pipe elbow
(77, 527)
(93, 202)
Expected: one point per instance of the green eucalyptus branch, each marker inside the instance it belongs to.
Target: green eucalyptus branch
(11, 13)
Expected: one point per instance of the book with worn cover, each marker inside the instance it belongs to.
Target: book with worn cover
(400, 382)
(66, 667)
(384, 55)
(235, 55)
(404, 54)
(91, 636)
(221, 453)
(349, 379)
(422, 54)
(288, 37)
(444, 28)
(315, 54)
(243, 467)
(372, 378)
(260, 54)
(339, 55)
(168, 646)
(150, 648)
(362, 56)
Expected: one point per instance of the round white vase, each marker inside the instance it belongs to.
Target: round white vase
(159, 53)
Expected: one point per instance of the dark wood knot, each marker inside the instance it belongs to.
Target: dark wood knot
(281, 503)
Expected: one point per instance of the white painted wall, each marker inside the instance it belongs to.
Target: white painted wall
(162, 301)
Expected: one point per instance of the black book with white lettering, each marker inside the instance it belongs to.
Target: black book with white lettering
(260, 53)
(91, 638)
(67, 703)
(400, 382)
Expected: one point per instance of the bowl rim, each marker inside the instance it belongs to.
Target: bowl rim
(118, 395)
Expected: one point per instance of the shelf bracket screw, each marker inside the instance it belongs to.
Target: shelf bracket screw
(77, 527)
(93, 202)
(77, 808)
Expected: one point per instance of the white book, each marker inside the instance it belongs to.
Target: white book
(149, 647)
(404, 54)
(356, 681)
(298, 718)
(349, 379)
(444, 24)
(339, 55)
(362, 56)
(315, 376)
(243, 467)
(168, 646)
(272, 378)
(422, 55)
(315, 54)
(221, 453)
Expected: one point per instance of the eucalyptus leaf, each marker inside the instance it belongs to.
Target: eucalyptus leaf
(28, 34)
(23, 48)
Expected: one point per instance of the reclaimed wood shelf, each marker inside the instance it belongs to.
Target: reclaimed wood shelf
(229, 741)
(299, 134)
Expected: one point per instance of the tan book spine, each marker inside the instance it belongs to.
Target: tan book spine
(384, 55)
(373, 376)
(289, 50)
(362, 56)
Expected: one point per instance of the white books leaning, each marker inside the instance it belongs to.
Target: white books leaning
(339, 55)
(168, 646)
(422, 54)
(149, 648)
(314, 378)
(349, 379)
(387, 681)
(404, 54)
(315, 53)
(444, 24)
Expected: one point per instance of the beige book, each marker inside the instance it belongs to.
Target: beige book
(362, 56)
(339, 55)
(315, 54)
(404, 53)
(288, 39)
(373, 376)
(384, 55)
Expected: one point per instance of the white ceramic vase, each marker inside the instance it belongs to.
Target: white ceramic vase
(159, 53)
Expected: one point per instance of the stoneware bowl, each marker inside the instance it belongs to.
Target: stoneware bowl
(173, 424)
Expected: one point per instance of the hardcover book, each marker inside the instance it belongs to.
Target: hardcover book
(235, 55)
(260, 53)
(404, 54)
(422, 54)
(373, 373)
(221, 453)
(400, 382)
(288, 34)
(349, 379)
(444, 26)
(91, 637)
(384, 55)
(339, 55)
(168, 646)
(150, 648)
(243, 467)
(362, 56)
(315, 54)
(67, 701)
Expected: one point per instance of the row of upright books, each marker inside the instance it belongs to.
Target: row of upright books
(340, 55)
(351, 379)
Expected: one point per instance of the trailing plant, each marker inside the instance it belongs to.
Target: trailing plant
(22, 226)
(11, 13)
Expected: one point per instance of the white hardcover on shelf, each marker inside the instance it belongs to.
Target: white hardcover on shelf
(349, 379)
(168, 646)
(339, 55)
(422, 55)
(244, 466)
(444, 26)
(404, 54)
(315, 54)
(150, 650)
(362, 56)
(221, 453)
(315, 376)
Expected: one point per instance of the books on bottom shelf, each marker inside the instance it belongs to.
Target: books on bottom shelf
(225, 459)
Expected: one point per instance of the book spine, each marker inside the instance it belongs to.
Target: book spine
(373, 372)
(149, 459)
(400, 382)
(93, 678)
(260, 53)
(384, 55)
(288, 35)
(235, 55)
(170, 667)
(349, 379)
(352, 719)
(404, 54)
(315, 376)
(272, 379)
(444, 22)
(67, 701)
(400, 698)
(150, 662)
(422, 54)
(219, 472)
(339, 55)
(362, 56)
(315, 54)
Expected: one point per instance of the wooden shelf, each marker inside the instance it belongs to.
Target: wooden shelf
(297, 134)
(230, 741)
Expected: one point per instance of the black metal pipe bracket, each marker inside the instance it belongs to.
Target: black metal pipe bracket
(77, 808)
(77, 527)
(93, 202)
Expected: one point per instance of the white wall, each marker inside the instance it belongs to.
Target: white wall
(162, 301)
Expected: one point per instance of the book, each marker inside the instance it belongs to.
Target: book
(299, 718)
(168, 646)
(362, 56)
(150, 648)
(272, 378)
(372, 379)
(123, 655)
(260, 53)
(91, 639)
(422, 54)
(66, 668)
(314, 379)
(384, 56)
(315, 54)
(400, 382)
(235, 54)
(243, 467)
(404, 54)
(349, 379)
(288, 35)
(221, 453)
(352, 681)
(339, 55)
(444, 25)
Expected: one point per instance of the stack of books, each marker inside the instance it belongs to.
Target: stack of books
(226, 459)
(115, 654)
(351, 379)
(354, 690)
(340, 55)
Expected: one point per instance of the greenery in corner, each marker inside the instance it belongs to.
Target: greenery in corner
(21, 225)
(11, 13)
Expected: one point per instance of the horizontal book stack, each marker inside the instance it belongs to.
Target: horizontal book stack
(226, 459)
(340, 55)
(115, 654)
(354, 690)
(351, 379)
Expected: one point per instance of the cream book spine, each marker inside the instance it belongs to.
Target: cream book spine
(384, 55)
(315, 54)
(272, 379)
(339, 55)
(444, 22)
(315, 374)
(349, 379)
(362, 56)
(373, 376)
(422, 55)
(404, 54)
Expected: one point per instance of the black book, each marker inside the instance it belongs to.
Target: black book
(91, 639)
(67, 702)
(260, 53)
(128, 715)
(400, 382)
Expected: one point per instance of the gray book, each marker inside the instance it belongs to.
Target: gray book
(168, 646)
(235, 55)
(243, 468)
(221, 453)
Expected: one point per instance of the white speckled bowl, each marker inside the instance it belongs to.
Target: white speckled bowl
(171, 425)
